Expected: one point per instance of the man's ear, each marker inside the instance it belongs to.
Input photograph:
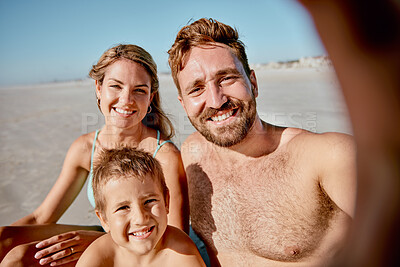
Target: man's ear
(181, 101)
(103, 220)
(254, 85)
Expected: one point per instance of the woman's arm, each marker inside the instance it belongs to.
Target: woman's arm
(59, 243)
(175, 178)
(66, 188)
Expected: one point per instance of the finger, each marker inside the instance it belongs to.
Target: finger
(72, 258)
(55, 239)
(59, 255)
(52, 250)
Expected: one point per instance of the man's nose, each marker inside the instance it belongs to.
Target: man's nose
(215, 96)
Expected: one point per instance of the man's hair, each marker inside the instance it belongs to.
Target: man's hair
(156, 119)
(124, 163)
(204, 32)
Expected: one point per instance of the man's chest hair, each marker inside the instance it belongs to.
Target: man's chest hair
(268, 205)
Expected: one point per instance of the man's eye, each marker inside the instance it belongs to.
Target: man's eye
(227, 79)
(194, 91)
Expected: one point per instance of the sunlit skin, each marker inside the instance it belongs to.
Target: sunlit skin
(212, 77)
(135, 215)
(125, 94)
(283, 170)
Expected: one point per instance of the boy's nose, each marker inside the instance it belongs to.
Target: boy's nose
(140, 216)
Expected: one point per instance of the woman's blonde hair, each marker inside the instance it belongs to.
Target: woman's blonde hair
(155, 119)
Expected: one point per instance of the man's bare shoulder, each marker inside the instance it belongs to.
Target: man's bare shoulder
(315, 141)
(100, 253)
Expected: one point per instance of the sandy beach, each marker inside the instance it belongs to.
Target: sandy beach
(39, 122)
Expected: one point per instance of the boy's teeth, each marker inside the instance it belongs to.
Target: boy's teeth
(222, 117)
(142, 233)
(122, 111)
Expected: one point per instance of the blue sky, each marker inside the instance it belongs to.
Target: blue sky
(49, 40)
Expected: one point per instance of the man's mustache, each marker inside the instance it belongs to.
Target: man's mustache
(210, 112)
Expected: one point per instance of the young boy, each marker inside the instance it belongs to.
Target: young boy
(132, 204)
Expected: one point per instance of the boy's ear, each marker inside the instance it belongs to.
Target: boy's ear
(167, 202)
(103, 220)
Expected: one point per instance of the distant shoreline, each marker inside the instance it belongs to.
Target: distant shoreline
(303, 62)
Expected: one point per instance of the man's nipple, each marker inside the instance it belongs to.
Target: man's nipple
(292, 251)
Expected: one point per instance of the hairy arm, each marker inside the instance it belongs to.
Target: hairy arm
(336, 156)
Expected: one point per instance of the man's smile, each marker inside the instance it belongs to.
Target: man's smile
(221, 116)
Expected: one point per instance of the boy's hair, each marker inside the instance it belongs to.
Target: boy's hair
(124, 163)
(156, 119)
(204, 32)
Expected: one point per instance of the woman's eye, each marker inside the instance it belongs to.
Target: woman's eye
(116, 86)
(140, 90)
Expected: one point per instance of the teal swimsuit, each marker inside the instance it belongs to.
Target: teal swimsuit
(90, 176)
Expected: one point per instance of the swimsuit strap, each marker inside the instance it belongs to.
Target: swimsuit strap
(158, 143)
(90, 176)
(93, 147)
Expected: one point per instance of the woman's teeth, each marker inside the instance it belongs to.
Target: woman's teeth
(222, 117)
(123, 111)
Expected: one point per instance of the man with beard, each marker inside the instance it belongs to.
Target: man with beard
(260, 195)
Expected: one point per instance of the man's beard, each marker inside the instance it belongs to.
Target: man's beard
(226, 136)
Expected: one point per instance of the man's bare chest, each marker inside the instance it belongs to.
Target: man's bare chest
(268, 207)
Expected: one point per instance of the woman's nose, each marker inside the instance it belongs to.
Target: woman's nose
(126, 97)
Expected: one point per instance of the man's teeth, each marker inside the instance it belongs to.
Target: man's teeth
(222, 117)
(122, 111)
(142, 233)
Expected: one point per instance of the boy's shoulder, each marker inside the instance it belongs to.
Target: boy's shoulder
(100, 253)
(183, 251)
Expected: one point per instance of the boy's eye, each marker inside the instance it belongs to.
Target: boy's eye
(123, 208)
(150, 201)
